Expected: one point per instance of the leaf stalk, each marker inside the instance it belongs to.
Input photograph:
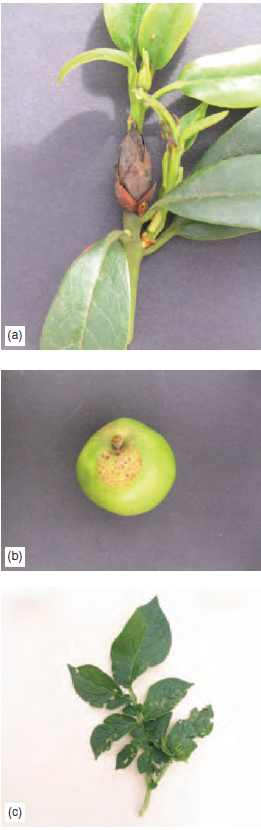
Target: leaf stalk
(147, 796)
(134, 253)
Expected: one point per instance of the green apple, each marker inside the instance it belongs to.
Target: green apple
(126, 467)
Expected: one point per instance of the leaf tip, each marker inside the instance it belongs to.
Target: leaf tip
(71, 670)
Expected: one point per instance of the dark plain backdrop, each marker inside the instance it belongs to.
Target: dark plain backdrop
(210, 519)
(59, 148)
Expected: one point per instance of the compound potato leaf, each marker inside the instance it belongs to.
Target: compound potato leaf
(200, 722)
(138, 734)
(144, 762)
(182, 747)
(91, 309)
(123, 22)
(229, 79)
(164, 26)
(244, 138)
(129, 710)
(112, 55)
(179, 742)
(94, 686)
(163, 696)
(126, 756)
(155, 729)
(145, 641)
(158, 757)
(117, 702)
(228, 193)
(112, 729)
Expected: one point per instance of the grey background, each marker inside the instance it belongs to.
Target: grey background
(59, 149)
(210, 519)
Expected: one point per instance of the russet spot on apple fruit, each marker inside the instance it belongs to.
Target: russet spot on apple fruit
(126, 467)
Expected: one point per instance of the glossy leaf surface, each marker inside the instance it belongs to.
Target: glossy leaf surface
(92, 306)
(229, 79)
(228, 193)
(112, 55)
(95, 686)
(163, 27)
(204, 124)
(191, 118)
(123, 22)
(179, 743)
(163, 696)
(202, 231)
(126, 756)
(244, 138)
(112, 729)
(145, 641)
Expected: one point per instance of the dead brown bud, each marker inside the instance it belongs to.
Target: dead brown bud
(133, 173)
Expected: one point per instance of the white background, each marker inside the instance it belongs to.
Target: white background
(47, 760)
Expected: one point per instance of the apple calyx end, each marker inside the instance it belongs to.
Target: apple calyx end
(117, 442)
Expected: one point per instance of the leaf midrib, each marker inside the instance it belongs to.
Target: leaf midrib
(140, 644)
(217, 79)
(217, 195)
(117, 690)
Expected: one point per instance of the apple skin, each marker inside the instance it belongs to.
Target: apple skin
(152, 468)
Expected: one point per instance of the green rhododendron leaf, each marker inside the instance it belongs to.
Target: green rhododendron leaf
(123, 22)
(191, 118)
(163, 28)
(204, 232)
(229, 79)
(227, 193)
(91, 309)
(112, 55)
(244, 138)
